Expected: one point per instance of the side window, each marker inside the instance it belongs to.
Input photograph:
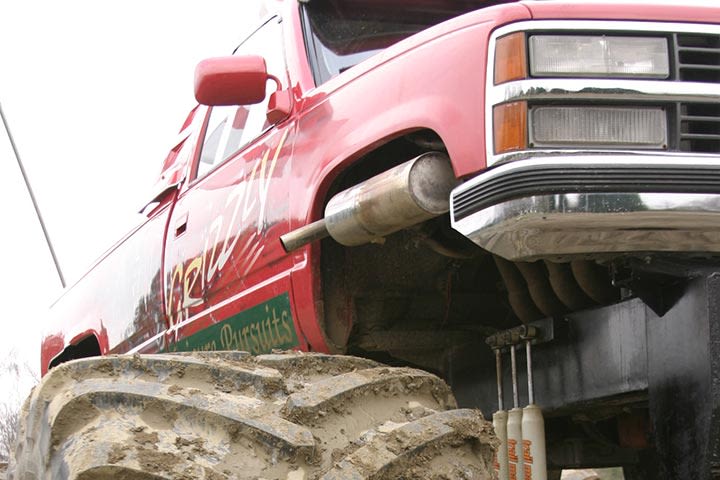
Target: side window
(223, 136)
(231, 128)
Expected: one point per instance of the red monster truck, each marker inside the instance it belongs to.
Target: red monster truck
(436, 185)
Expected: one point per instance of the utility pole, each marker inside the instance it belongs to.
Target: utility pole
(32, 197)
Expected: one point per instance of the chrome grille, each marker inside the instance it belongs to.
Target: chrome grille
(699, 127)
(698, 58)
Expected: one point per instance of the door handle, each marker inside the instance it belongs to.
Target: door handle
(181, 225)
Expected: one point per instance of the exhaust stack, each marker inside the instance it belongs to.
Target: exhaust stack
(398, 198)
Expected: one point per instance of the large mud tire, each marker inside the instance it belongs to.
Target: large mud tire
(231, 416)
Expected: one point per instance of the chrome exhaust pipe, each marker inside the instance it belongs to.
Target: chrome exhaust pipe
(396, 199)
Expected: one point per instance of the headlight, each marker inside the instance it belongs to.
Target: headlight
(617, 127)
(598, 56)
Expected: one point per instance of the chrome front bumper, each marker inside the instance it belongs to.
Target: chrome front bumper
(592, 206)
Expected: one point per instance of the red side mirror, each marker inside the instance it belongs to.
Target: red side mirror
(237, 80)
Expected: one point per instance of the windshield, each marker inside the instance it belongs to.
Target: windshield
(342, 33)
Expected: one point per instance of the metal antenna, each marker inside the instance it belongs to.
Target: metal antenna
(32, 197)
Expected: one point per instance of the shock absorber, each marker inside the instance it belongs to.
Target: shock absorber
(500, 423)
(514, 426)
(533, 430)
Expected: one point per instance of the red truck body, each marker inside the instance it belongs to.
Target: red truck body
(210, 250)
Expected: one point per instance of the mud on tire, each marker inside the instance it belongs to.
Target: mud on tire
(228, 415)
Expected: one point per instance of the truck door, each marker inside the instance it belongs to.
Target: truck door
(226, 274)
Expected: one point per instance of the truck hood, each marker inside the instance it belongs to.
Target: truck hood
(696, 11)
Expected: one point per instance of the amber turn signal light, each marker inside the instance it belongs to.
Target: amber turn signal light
(510, 127)
(510, 58)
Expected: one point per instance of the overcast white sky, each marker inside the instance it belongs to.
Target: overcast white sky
(95, 92)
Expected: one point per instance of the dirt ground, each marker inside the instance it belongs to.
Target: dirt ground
(594, 474)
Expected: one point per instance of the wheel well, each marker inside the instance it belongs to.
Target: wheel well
(427, 296)
(379, 297)
(87, 347)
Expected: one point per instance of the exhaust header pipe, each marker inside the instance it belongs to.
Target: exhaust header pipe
(396, 199)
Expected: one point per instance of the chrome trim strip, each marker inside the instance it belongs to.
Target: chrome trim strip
(605, 155)
(591, 160)
(602, 89)
(605, 89)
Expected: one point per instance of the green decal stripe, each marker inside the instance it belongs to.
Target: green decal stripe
(259, 329)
